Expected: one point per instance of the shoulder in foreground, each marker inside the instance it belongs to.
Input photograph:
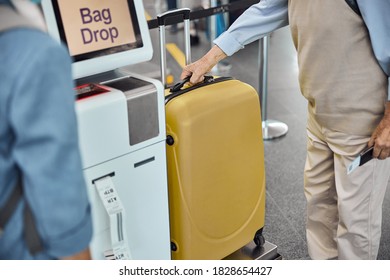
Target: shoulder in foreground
(28, 43)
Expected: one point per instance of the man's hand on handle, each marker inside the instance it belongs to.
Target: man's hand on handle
(380, 139)
(200, 67)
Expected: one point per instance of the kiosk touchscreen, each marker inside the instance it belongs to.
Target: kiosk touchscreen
(101, 35)
(121, 125)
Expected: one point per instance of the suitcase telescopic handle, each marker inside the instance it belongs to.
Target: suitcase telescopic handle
(185, 12)
(161, 19)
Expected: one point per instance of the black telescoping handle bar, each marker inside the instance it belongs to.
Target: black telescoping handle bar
(204, 13)
(185, 12)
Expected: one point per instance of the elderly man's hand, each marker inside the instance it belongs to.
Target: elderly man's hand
(380, 139)
(199, 68)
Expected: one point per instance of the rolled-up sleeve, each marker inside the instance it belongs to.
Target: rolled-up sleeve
(376, 15)
(46, 150)
(256, 22)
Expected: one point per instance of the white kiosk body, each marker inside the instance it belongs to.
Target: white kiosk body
(121, 120)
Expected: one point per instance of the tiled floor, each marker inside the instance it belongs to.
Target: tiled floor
(285, 156)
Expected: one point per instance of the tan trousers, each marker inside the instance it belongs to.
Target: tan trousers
(344, 212)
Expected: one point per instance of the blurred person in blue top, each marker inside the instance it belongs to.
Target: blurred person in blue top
(39, 145)
(343, 49)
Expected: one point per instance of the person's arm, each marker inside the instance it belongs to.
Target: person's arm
(377, 20)
(256, 22)
(43, 120)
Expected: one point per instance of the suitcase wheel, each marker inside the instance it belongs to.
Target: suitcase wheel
(173, 246)
(259, 238)
(170, 140)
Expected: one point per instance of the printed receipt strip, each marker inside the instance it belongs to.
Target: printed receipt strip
(116, 213)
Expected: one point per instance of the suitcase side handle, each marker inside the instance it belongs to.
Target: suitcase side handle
(209, 80)
(178, 86)
(161, 18)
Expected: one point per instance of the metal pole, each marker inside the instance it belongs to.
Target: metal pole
(187, 42)
(163, 61)
(213, 23)
(263, 75)
(271, 128)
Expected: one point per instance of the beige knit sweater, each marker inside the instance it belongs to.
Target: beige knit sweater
(338, 72)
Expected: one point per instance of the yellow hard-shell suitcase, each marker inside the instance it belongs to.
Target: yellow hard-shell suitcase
(216, 176)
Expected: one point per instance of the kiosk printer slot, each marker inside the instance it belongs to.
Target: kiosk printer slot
(121, 122)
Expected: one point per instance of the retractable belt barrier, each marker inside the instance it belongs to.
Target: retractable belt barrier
(198, 14)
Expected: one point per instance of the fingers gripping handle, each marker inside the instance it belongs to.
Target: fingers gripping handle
(185, 12)
(177, 87)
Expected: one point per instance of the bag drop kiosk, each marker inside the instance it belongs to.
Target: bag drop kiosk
(121, 122)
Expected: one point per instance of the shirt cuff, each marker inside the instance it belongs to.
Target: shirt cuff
(228, 44)
(74, 241)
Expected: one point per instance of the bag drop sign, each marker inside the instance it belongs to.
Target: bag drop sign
(92, 25)
(93, 36)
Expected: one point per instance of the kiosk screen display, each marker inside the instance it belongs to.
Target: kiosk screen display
(101, 35)
(94, 28)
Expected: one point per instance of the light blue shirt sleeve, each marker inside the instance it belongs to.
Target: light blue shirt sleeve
(256, 22)
(41, 114)
(376, 15)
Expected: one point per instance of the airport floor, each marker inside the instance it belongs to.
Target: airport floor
(284, 156)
